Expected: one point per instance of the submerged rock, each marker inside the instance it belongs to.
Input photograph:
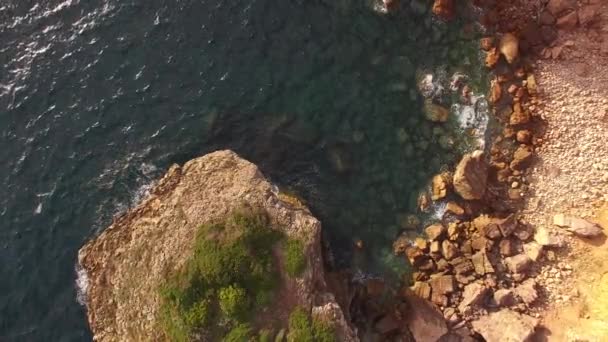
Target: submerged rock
(129, 261)
(444, 9)
(435, 112)
(470, 178)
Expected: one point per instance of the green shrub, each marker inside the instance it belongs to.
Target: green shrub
(265, 335)
(231, 274)
(302, 329)
(295, 261)
(240, 333)
(233, 302)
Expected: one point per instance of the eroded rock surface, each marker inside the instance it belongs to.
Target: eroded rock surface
(126, 263)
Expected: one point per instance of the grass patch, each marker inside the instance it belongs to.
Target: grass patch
(231, 275)
(295, 261)
(303, 329)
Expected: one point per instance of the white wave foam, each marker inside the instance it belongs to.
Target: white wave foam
(82, 284)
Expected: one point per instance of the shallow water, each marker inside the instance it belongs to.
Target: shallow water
(98, 98)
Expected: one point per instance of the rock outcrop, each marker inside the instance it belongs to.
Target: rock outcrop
(470, 178)
(126, 263)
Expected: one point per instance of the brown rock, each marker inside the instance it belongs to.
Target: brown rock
(578, 226)
(487, 43)
(533, 250)
(524, 136)
(519, 116)
(507, 247)
(495, 92)
(473, 294)
(442, 284)
(454, 231)
(507, 225)
(466, 248)
(454, 209)
(421, 243)
(505, 326)
(400, 245)
(527, 291)
(421, 289)
(440, 186)
(531, 84)
(435, 112)
(426, 265)
(480, 243)
(557, 7)
(444, 9)
(435, 231)
(442, 265)
(522, 158)
(519, 263)
(481, 263)
(449, 249)
(492, 57)
(414, 255)
(504, 298)
(546, 238)
(435, 247)
(462, 266)
(387, 324)
(568, 21)
(425, 323)
(589, 14)
(470, 178)
(509, 47)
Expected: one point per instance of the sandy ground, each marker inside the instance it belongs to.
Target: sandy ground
(571, 177)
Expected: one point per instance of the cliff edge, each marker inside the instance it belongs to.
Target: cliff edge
(128, 263)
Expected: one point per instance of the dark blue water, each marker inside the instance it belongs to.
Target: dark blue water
(98, 98)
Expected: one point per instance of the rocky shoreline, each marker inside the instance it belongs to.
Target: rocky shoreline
(483, 265)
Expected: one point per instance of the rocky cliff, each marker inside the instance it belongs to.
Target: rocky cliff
(127, 263)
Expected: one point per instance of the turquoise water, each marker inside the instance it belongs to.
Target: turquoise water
(98, 98)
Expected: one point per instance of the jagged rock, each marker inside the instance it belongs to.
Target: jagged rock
(128, 262)
(486, 43)
(523, 233)
(449, 250)
(507, 225)
(519, 263)
(533, 250)
(522, 158)
(421, 289)
(442, 265)
(588, 15)
(504, 298)
(524, 136)
(435, 247)
(440, 186)
(505, 326)
(509, 47)
(480, 243)
(507, 247)
(492, 57)
(426, 264)
(481, 263)
(557, 7)
(568, 21)
(454, 209)
(495, 91)
(519, 116)
(473, 294)
(578, 226)
(470, 178)
(531, 84)
(442, 284)
(421, 243)
(435, 232)
(425, 322)
(454, 231)
(527, 291)
(466, 248)
(435, 112)
(546, 238)
(462, 265)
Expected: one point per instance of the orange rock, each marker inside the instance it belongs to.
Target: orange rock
(495, 91)
(444, 9)
(492, 58)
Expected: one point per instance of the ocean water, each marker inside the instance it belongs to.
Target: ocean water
(99, 97)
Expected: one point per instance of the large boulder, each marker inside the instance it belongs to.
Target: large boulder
(509, 47)
(471, 176)
(505, 326)
(127, 263)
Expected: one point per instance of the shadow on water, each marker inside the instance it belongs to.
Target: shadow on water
(101, 97)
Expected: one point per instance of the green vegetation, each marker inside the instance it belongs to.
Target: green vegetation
(295, 261)
(231, 275)
(301, 328)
